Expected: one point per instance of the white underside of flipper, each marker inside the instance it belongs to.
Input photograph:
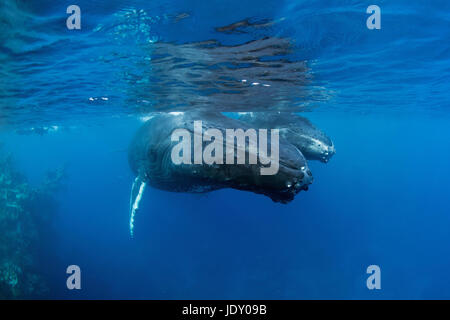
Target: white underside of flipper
(135, 198)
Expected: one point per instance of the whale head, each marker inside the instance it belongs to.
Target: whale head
(292, 177)
(313, 143)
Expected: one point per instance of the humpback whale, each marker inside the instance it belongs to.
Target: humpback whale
(211, 78)
(150, 160)
(312, 142)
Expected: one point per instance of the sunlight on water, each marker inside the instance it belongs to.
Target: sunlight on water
(296, 59)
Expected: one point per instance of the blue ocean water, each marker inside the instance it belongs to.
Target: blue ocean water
(77, 97)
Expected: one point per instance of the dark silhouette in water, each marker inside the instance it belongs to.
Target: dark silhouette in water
(150, 159)
(211, 78)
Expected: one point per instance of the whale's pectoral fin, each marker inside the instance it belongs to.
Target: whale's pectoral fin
(137, 191)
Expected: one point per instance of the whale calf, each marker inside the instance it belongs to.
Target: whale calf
(312, 142)
(150, 159)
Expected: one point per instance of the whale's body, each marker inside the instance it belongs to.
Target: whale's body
(151, 156)
(150, 159)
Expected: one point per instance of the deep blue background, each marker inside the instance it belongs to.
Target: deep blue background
(383, 198)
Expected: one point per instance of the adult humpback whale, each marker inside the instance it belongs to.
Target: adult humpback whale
(150, 160)
(312, 142)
